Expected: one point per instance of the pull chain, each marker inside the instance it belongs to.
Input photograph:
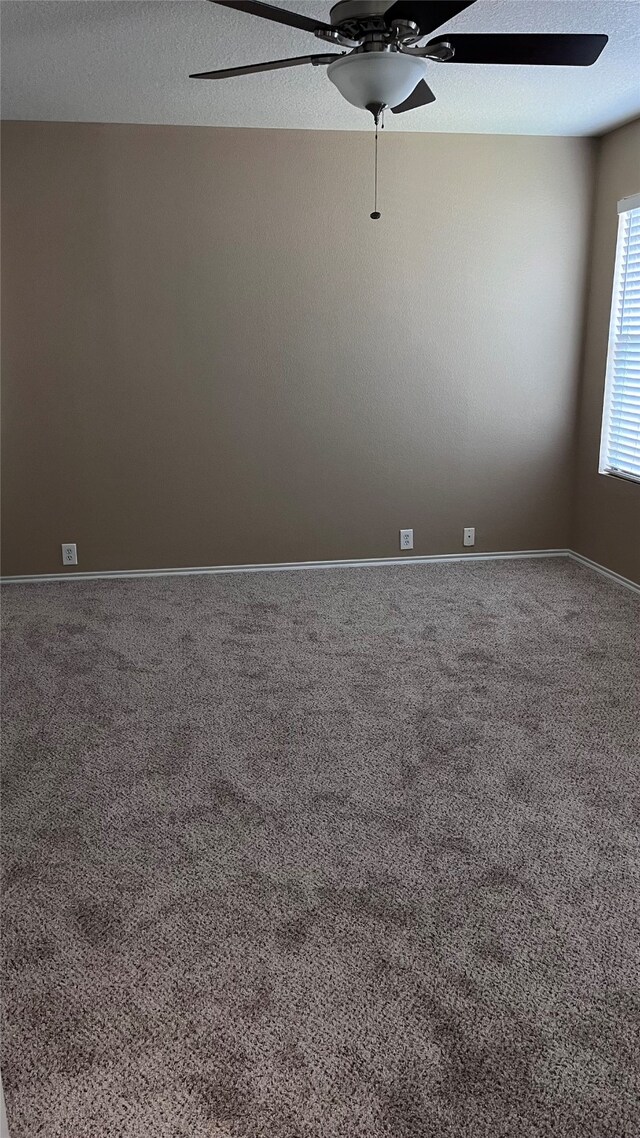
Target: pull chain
(377, 116)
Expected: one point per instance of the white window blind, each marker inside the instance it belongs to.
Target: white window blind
(620, 444)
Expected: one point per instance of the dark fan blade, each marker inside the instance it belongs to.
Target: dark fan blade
(420, 96)
(427, 14)
(278, 15)
(273, 65)
(562, 50)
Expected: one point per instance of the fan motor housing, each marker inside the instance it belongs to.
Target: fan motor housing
(357, 10)
(360, 17)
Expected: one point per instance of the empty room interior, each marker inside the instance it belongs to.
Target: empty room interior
(320, 569)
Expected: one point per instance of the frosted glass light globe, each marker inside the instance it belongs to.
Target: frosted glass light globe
(385, 77)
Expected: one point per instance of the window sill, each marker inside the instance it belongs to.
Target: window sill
(620, 477)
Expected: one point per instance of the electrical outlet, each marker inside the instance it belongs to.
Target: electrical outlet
(406, 539)
(69, 554)
(469, 536)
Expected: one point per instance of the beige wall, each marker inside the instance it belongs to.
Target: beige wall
(606, 512)
(213, 355)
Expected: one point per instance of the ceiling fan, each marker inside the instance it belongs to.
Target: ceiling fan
(385, 66)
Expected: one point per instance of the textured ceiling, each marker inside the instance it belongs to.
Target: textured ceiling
(129, 60)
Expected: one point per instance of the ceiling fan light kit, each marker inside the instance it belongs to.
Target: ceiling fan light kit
(376, 78)
(386, 65)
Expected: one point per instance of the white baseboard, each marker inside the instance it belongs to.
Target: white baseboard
(288, 566)
(4, 1128)
(597, 568)
(284, 566)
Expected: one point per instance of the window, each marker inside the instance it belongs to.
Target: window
(620, 443)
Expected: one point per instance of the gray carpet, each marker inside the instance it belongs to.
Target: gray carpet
(346, 854)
